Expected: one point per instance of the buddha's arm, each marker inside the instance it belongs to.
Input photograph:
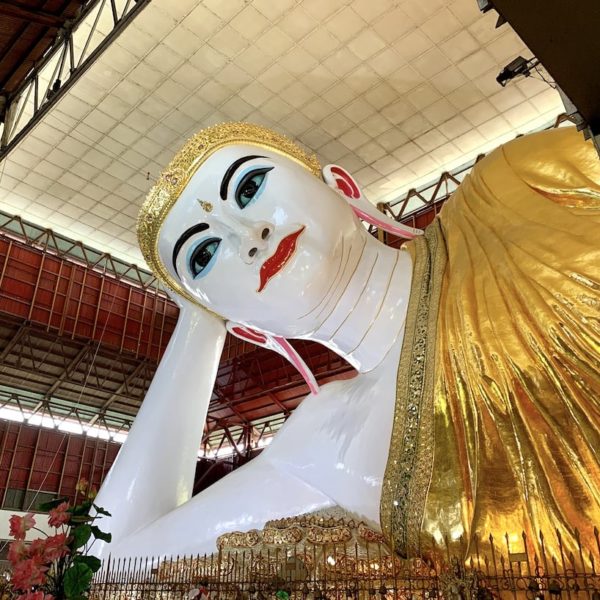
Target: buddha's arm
(154, 471)
(243, 500)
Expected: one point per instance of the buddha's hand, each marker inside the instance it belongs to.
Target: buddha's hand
(191, 311)
(183, 303)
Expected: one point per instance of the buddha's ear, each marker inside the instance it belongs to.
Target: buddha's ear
(342, 182)
(279, 345)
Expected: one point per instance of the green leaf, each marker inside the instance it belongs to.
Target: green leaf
(91, 561)
(48, 506)
(78, 578)
(101, 535)
(80, 534)
(102, 511)
(81, 509)
(81, 519)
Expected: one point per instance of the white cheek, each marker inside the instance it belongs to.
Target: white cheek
(280, 215)
(230, 244)
(227, 280)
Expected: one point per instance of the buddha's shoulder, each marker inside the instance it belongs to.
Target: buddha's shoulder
(540, 178)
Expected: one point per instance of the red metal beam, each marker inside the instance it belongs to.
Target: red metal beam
(76, 301)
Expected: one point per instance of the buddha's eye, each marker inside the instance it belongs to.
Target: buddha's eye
(251, 186)
(202, 256)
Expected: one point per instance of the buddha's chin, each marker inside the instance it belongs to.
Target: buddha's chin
(302, 285)
(288, 296)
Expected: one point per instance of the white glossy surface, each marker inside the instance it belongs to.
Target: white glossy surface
(154, 470)
(332, 451)
(342, 288)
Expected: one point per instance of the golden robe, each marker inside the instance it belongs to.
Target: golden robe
(497, 419)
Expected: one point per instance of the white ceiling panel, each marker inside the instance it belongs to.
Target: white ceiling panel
(396, 91)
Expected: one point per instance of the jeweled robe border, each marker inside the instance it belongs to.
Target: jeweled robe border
(410, 458)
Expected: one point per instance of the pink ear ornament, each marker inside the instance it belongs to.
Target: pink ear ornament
(277, 344)
(344, 184)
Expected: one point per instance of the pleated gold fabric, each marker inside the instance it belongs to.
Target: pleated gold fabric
(516, 396)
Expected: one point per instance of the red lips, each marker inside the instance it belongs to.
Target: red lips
(275, 263)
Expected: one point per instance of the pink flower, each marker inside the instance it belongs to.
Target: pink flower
(28, 573)
(35, 596)
(46, 550)
(56, 547)
(20, 525)
(37, 551)
(59, 515)
(17, 551)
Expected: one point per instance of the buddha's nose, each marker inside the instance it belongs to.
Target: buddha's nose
(255, 240)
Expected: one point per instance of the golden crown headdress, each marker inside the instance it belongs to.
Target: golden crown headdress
(176, 176)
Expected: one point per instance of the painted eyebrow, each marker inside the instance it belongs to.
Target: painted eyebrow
(184, 237)
(231, 170)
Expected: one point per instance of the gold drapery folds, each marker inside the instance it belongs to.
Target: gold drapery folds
(513, 413)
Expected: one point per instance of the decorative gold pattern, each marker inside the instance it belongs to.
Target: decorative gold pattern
(206, 206)
(173, 180)
(328, 535)
(410, 459)
(212, 567)
(324, 527)
(325, 543)
(370, 535)
(274, 536)
(239, 539)
(338, 571)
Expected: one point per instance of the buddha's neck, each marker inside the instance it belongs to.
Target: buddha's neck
(364, 314)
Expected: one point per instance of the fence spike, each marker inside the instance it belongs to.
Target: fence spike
(340, 571)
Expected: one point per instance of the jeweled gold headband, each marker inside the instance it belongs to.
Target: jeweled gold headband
(176, 176)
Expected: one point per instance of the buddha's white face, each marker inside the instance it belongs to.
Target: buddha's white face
(258, 239)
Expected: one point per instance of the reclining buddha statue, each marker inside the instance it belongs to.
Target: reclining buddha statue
(476, 407)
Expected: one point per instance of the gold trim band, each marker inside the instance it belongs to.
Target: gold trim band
(410, 458)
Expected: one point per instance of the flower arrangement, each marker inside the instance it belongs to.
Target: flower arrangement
(57, 567)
